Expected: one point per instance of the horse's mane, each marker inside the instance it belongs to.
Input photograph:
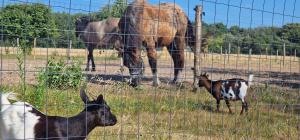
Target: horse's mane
(129, 24)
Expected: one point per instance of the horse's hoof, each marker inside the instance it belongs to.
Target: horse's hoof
(86, 69)
(93, 69)
(155, 84)
(134, 82)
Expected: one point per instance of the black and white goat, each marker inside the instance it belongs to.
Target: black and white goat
(229, 90)
(21, 121)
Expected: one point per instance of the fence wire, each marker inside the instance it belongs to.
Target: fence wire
(239, 38)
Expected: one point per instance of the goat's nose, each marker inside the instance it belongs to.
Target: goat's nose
(115, 118)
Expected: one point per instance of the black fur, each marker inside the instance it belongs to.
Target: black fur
(76, 127)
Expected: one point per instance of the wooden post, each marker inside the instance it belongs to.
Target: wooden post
(295, 54)
(18, 45)
(229, 48)
(229, 51)
(249, 59)
(266, 52)
(33, 49)
(276, 55)
(18, 42)
(221, 56)
(69, 49)
(283, 53)
(225, 54)
(198, 20)
(221, 50)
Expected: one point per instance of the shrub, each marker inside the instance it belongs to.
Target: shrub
(57, 74)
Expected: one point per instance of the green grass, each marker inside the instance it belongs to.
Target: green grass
(178, 113)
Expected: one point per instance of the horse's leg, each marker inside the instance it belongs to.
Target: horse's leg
(152, 57)
(91, 50)
(176, 50)
(91, 56)
(88, 60)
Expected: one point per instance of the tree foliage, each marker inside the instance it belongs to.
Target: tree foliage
(114, 10)
(56, 29)
(27, 22)
(257, 39)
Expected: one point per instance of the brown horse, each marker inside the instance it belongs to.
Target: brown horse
(154, 26)
(96, 34)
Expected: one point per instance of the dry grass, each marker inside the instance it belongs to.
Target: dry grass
(177, 113)
(169, 112)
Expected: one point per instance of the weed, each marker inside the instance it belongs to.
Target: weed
(59, 75)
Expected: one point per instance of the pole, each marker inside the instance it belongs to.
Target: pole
(249, 60)
(198, 20)
(69, 49)
(295, 53)
(229, 51)
(276, 55)
(33, 49)
(283, 53)
(18, 42)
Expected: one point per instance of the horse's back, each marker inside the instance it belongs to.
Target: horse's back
(161, 23)
(100, 32)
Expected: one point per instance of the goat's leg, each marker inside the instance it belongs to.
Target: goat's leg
(152, 58)
(176, 50)
(228, 105)
(244, 107)
(218, 105)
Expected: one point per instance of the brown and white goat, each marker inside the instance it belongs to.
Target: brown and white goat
(22, 121)
(229, 90)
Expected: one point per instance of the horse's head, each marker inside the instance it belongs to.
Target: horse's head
(80, 25)
(133, 61)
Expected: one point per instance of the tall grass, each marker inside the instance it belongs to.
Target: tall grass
(164, 113)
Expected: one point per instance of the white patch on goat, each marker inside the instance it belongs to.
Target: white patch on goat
(156, 81)
(228, 95)
(4, 101)
(243, 91)
(17, 122)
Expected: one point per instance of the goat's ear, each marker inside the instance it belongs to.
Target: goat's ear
(83, 96)
(100, 99)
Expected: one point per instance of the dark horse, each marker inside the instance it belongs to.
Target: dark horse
(95, 34)
(152, 26)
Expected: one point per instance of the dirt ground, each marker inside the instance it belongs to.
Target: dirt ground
(266, 69)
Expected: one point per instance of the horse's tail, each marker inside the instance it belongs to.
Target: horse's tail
(190, 34)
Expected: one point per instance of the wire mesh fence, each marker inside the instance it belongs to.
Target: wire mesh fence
(45, 49)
